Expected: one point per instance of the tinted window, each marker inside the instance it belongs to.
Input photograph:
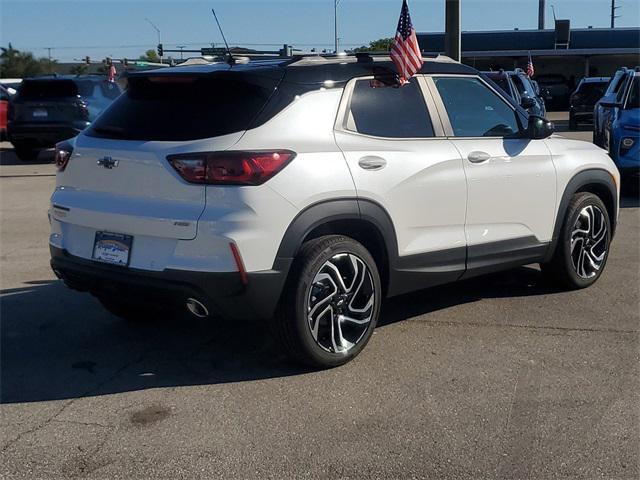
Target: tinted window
(110, 90)
(475, 110)
(182, 107)
(623, 89)
(35, 89)
(502, 82)
(634, 94)
(390, 112)
(85, 87)
(616, 83)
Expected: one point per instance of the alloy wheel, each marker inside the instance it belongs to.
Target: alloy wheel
(340, 303)
(589, 242)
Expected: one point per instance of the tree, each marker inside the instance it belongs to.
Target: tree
(17, 64)
(150, 56)
(79, 69)
(380, 45)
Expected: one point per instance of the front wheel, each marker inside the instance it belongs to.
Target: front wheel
(331, 303)
(583, 247)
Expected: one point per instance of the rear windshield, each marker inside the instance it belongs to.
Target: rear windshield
(37, 89)
(181, 107)
(588, 87)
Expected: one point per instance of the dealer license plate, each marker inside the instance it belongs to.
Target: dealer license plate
(112, 248)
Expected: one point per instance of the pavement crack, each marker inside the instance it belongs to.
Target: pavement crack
(531, 327)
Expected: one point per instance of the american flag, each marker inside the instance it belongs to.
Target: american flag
(530, 70)
(405, 51)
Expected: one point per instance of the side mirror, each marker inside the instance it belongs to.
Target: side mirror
(539, 128)
(527, 102)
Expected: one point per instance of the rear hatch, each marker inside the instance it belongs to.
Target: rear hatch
(42, 101)
(158, 115)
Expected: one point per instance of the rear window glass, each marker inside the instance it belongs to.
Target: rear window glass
(588, 87)
(181, 107)
(33, 89)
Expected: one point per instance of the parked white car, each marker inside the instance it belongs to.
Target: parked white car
(309, 189)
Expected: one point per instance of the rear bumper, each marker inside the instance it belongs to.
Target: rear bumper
(223, 293)
(45, 135)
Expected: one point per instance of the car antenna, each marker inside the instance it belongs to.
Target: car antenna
(231, 59)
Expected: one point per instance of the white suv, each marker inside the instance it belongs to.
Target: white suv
(307, 190)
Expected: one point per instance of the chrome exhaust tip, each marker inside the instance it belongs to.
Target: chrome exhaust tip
(196, 308)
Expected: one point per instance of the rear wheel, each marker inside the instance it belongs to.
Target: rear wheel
(583, 247)
(331, 304)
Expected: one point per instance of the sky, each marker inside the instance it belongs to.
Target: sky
(118, 28)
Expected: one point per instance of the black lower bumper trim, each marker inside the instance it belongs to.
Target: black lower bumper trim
(223, 293)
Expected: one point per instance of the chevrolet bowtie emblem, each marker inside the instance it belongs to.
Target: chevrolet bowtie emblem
(108, 162)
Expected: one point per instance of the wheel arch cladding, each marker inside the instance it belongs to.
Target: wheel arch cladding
(596, 181)
(364, 221)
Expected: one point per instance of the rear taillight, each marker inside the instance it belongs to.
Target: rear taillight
(231, 168)
(63, 154)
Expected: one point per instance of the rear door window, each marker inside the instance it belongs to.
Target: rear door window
(390, 112)
(184, 107)
(474, 109)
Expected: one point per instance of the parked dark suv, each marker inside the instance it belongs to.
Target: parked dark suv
(49, 109)
(521, 88)
(584, 98)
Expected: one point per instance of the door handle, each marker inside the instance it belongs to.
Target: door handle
(478, 157)
(372, 163)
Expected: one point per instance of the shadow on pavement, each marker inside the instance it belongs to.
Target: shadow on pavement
(8, 157)
(60, 344)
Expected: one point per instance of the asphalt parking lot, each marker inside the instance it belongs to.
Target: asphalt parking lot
(498, 377)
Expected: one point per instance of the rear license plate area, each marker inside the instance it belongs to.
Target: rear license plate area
(113, 248)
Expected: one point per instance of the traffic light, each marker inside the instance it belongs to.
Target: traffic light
(160, 50)
(87, 60)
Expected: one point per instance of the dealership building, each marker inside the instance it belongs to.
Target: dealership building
(573, 53)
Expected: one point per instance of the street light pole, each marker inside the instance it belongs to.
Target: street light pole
(157, 31)
(335, 23)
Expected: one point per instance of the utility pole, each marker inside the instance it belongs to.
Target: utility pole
(541, 7)
(335, 23)
(48, 49)
(157, 31)
(613, 13)
(452, 29)
(181, 47)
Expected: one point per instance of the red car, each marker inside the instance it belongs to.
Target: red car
(4, 106)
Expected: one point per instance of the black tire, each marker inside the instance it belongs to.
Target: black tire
(292, 326)
(576, 269)
(26, 152)
(135, 312)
